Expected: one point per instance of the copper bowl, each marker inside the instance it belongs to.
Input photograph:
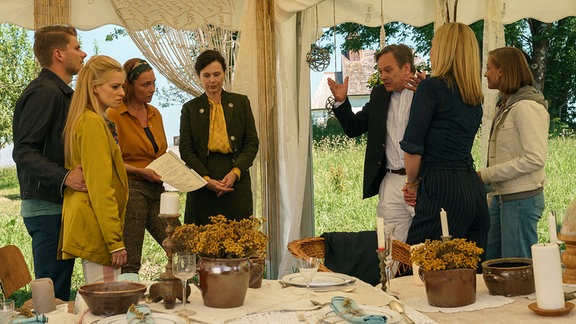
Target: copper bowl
(111, 298)
(509, 276)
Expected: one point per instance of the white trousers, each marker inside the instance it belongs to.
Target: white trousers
(95, 272)
(391, 205)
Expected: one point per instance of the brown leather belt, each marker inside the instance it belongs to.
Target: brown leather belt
(400, 171)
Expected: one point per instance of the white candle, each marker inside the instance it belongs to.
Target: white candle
(43, 295)
(547, 276)
(380, 232)
(169, 202)
(444, 222)
(552, 229)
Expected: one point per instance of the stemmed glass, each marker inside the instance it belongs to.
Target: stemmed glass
(184, 268)
(308, 267)
(388, 242)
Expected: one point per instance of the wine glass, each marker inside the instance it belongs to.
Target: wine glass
(388, 242)
(184, 268)
(308, 267)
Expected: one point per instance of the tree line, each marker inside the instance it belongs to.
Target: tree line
(550, 49)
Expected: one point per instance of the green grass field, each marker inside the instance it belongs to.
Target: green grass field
(338, 204)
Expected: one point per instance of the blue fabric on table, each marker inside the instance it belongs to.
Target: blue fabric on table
(35, 319)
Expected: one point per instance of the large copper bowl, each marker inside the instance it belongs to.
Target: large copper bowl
(111, 298)
(509, 276)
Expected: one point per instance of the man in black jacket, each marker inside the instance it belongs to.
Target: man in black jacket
(39, 119)
(384, 117)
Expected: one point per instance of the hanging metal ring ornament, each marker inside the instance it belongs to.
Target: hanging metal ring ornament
(318, 58)
(329, 105)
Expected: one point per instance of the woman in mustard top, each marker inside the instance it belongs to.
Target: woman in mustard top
(218, 139)
(142, 139)
(93, 221)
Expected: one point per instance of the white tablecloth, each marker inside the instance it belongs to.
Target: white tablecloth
(273, 304)
(487, 309)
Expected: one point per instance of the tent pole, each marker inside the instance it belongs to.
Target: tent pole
(269, 129)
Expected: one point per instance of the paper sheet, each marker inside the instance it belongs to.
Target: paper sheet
(176, 173)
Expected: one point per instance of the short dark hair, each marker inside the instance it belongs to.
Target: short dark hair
(402, 53)
(207, 57)
(49, 38)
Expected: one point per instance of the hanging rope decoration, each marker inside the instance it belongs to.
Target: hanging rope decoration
(318, 58)
(448, 11)
(329, 104)
(455, 11)
(382, 30)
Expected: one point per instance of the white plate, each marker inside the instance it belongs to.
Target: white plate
(321, 279)
(158, 319)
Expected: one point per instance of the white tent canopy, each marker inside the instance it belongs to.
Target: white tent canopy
(91, 14)
(282, 86)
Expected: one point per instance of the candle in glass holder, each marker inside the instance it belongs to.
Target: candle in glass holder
(169, 202)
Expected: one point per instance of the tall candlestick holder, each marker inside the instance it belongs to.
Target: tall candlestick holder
(383, 271)
(169, 288)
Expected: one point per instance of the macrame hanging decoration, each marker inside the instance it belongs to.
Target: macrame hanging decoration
(319, 57)
(173, 46)
(329, 104)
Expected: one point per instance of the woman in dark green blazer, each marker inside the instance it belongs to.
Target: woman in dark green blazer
(218, 139)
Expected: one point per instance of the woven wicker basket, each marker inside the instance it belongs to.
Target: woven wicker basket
(315, 247)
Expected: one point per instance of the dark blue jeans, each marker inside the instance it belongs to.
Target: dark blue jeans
(45, 233)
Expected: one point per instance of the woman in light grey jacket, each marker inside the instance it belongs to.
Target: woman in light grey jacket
(516, 156)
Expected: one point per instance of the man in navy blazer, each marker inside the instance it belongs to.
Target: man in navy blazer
(384, 117)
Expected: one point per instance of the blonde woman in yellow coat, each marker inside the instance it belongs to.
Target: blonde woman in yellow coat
(93, 221)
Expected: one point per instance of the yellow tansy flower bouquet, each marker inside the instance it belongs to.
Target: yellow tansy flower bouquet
(223, 238)
(453, 254)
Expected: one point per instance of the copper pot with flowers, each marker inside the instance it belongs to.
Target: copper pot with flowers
(224, 248)
(448, 269)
